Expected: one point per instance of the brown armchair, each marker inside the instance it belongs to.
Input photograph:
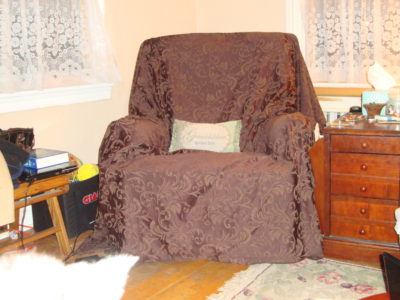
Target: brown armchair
(247, 207)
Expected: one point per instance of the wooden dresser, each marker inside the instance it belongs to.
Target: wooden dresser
(358, 190)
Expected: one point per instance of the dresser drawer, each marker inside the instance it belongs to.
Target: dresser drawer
(365, 144)
(365, 230)
(363, 208)
(365, 186)
(365, 164)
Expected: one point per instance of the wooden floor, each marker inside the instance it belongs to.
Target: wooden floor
(187, 280)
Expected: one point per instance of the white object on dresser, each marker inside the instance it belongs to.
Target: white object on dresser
(397, 226)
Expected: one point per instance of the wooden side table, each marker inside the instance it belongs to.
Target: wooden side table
(42, 190)
(357, 172)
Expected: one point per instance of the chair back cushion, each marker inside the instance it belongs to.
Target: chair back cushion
(219, 77)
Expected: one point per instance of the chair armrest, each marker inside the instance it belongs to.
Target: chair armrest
(289, 136)
(131, 136)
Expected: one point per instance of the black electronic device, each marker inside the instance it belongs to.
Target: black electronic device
(31, 175)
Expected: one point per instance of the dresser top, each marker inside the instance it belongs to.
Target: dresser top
(364, 128)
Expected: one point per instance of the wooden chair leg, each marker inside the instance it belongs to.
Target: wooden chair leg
(58, 222)
(15, 225)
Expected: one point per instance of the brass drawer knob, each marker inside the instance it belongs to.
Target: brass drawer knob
(363, 189)
(362, 231)
(364, 167)
(364, 145)
(363, 211)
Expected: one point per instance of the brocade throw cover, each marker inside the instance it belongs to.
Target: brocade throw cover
(245, 207)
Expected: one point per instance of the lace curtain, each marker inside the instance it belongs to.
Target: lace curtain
(345, 37)
(53, 43)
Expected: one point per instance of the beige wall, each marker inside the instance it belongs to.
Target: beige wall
(240, 15)
(79, 128)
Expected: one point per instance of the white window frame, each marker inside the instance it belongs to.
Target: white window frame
(27, 100)
(294, 22)
(101, 5)
(54, 97)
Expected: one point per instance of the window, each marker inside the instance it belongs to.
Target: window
(50, 48)
(341, 39)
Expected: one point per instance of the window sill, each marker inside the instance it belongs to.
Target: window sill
(341, 89)
(54, 97)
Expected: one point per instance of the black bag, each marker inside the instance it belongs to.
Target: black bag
(15, 158)
(15, 144)
(78, 207)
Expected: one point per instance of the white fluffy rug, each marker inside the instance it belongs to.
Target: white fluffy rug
(34, 276)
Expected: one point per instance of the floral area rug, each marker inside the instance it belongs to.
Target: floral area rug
(306, 280)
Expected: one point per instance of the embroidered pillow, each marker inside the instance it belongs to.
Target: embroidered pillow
(218, 137)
